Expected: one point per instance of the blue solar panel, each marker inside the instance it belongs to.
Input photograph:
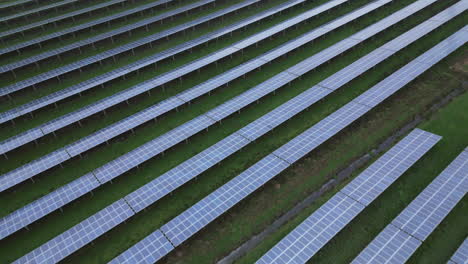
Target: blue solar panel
(319, 228)
(461, 255)
(202, 213)
(78, 236)
(148, 250)
(46, 204)
(421, 216)
(36, 10)
(25, 172)
(169, 181)
(306, 239)
(391, 246)
(55, 19)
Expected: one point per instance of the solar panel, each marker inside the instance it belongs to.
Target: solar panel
(283, 113)
(78, 236)
(322, 131)
(25, 172)
(46, 204)
(149, 250)
(186, 171)
(461, 255)
(5, 19)
(196, 217)
(423, 214)
(391, 246)
(149, 150)
(20, 139)
(357, 68)
(55, 19)
(319, 228)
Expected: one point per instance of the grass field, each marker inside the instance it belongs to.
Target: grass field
(260, 209)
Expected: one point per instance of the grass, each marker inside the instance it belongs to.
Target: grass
(140, 225)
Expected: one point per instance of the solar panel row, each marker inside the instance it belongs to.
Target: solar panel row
(79, 235)
(65, 120)
(252, 131)
(55, 5)
(320, 227)
(56, 19)
(184, 226)
(99, 80)
(420, 217)
(106, 35)
(461, 255)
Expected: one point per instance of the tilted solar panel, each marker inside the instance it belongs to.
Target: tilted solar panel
(81, 234)
(391, 246)
(149, 250)
(46, 204)
(461, 255)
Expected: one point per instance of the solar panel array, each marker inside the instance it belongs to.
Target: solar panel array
(112, 75)
(352, 199)
(320, 227)
(107, 54)
(183, 226)
(420, 217)
(252, 131)
(461, 255)
(84, 26)
(56, 19)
